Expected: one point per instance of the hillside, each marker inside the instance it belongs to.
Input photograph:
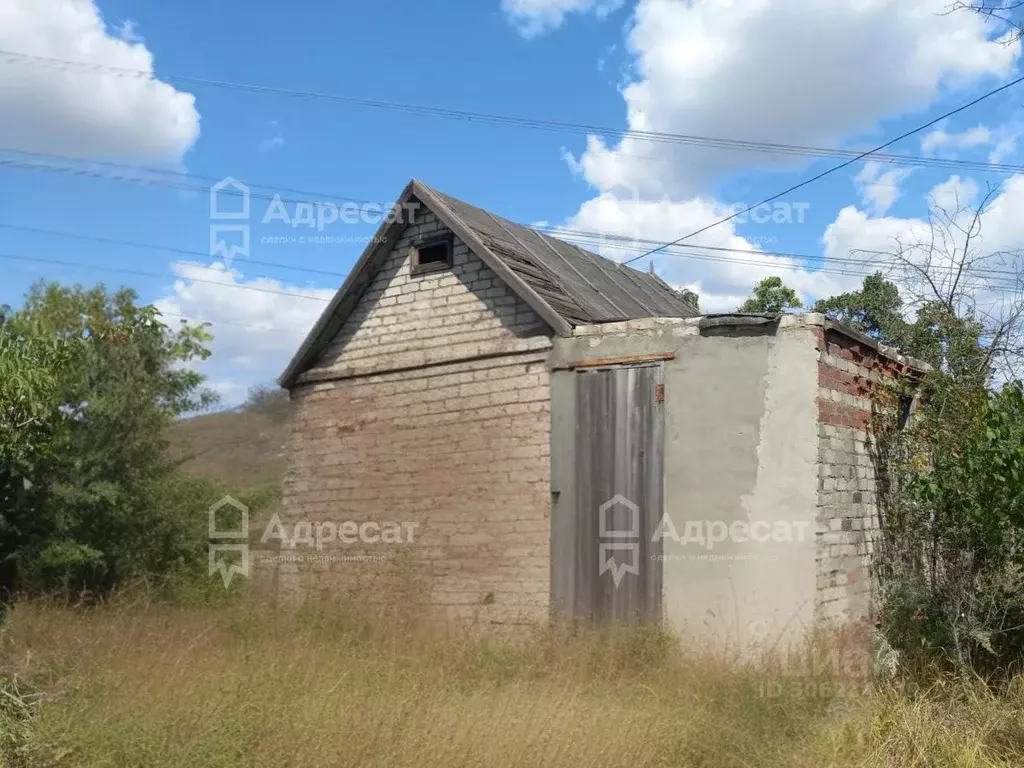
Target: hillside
(243, 448)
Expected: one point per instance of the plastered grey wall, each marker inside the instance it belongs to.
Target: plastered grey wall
(741, 475)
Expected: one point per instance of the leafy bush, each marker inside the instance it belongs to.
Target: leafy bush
(952, 561)
(91, 495)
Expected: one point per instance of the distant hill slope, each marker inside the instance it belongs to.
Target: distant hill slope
(242, 448)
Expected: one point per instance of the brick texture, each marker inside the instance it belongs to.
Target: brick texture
(849, 372)
(435, 412)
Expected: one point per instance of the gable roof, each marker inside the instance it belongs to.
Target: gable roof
(564, 284)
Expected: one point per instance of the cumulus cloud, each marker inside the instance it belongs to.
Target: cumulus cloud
(58, 109)
(790, 71)
(787, 71)
(256, 331)
(534, 17)
(720, 265)
(935, 244)
(1005, 145)
(880, 190)
(939, 140)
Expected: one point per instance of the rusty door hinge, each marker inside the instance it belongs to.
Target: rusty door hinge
(659, 393)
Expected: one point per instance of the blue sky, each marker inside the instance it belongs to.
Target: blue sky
(788, 71)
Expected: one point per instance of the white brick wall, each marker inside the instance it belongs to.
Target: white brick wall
(458, 445)
(407, 320)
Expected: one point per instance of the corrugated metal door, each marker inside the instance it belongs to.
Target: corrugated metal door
(618, 468)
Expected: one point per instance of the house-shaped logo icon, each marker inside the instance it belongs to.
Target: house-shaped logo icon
(224, 197)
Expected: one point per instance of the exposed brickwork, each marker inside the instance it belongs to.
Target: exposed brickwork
(437, 413)
(407, 320)
(849, 372)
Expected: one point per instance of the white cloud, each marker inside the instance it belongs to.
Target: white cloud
(953, 193)
(1003, 141)
(880, 190)
(996, 252)
(790, 71)
(723, 279)
(256, 332)
(274, 142)
(786, 71)
(939, 140)
(1005, 146)
(59, 109)
(126, 31)
(570, 160)
(534, 17)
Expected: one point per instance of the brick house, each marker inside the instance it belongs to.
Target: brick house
(569, 437)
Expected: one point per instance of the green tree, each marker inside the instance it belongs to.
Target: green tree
(876, 309)
(105, 498)
(771, 296)
(938, 335)
(29, 415)
(691, 297)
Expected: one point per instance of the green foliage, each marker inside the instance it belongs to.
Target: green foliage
(104, 502)
(951, 558)
(771, 296)
(691, 298)
(974, 485)
(938, 335)
(876, 309)
(952, 562)
(29, 405)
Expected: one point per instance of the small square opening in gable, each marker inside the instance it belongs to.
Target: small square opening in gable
(431, 255)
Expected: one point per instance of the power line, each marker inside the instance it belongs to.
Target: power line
(554, 230)
(597, 239)
(17, 57)
(580, 237)
(103, 268)
(121, 270)
(87, 172)
(1001, 285)
(835, 168)
(167, 172)
(168, 249)
(557, 231)
(214, 324)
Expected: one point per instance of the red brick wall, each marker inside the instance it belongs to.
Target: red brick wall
(849, 372)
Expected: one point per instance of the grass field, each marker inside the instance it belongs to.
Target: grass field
(135, 683)
(139, 683)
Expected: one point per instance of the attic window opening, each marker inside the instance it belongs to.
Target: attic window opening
(432, 255)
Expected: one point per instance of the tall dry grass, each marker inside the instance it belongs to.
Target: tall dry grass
(137, 683)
